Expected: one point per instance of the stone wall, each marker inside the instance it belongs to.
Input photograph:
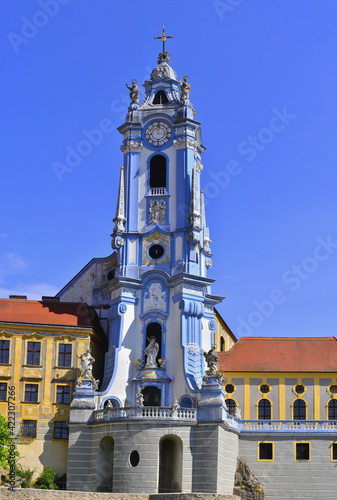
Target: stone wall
(32, 494)
(284, 478)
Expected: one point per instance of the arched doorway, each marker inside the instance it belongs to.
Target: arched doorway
(105, 458)
(170, 464)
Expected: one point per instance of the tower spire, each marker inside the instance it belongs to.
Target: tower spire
(194, 214)
(207, 239)
(119, 220)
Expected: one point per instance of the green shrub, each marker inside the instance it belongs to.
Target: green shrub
(25, 476)
(46, 479)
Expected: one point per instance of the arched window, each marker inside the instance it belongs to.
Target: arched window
(231, 407)
(160, 98)
(299, 410)
(222, 344)
(332, 409)
(264, 409)
(186, 402)
(154, 330)
(111, 403)
(158, 172)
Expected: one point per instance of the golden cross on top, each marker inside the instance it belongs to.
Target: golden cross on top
(163, 38)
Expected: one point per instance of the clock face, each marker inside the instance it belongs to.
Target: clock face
(158, 133)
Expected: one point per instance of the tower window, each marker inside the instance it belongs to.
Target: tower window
(158, 172)
(160, 98)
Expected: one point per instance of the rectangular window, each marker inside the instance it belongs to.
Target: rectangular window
(33, 353)
(266, 451)
(334, 451)
(4, 351)
(29, 428)
(61, 430)
(3, 391)
(31, 393)
(64, 355)
(63, 394)
(302, 451)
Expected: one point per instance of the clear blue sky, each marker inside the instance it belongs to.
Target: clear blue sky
(263, 76)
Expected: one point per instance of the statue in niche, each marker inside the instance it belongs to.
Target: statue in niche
(212, 359)
(151, 353)
(134, 92)
(185, 89)
(157, 212)
(86, 364)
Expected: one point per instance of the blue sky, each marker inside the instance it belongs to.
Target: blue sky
(263, 76)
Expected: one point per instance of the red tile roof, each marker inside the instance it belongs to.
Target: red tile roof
(46, 312)
(281, 354)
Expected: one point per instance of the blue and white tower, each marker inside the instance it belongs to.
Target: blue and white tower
(160, 314)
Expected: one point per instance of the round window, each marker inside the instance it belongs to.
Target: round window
(229, 388)
(333, 389)
(156, 251)
(264, 388)
(134, 458)
(299, 389)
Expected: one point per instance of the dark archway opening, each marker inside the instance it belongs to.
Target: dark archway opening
(104, 470)
(160, 98)
(158, 171)
(170, 464)
(152, 396)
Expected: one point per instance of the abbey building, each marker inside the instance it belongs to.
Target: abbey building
(178, 399)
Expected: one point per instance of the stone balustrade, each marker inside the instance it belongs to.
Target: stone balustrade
(288, 426)
(146, 413)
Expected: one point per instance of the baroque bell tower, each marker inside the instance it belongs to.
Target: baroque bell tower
(160, 309)
(162, 243)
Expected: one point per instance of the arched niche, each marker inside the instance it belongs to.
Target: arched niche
(104, 469)
(170, 464)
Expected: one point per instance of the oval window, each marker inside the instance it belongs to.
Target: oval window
(134, 458)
